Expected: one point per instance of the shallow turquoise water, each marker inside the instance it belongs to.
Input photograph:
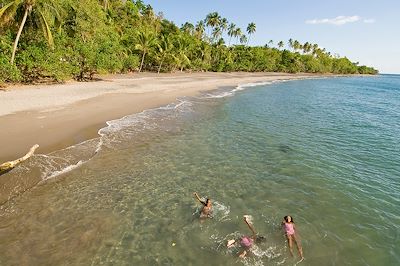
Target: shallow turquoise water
(325, 151)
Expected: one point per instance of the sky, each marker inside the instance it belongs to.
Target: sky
(364, 31)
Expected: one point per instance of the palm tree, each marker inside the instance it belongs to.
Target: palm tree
(315, 49)
(231, 31)
(146, 42)
(223, 24)
(296, 45)
(218, 51)
(207, 22)
(251, 28)
(290, 43)
(306, 47)
(217, 32)
(164, 48)
(140, 5)
(188, 28)
(213, 19)
(280, 44)
(149, 12)
(243, 39)
(220, 42)
(182, 46)
(199, 29)
(237, 33)
(205, 53)
(43, 12)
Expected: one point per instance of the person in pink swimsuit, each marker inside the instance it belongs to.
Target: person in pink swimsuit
(246, 242)
(290, 230)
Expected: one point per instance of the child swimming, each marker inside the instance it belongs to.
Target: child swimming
(206, 211)
(290, 230)
(246, 242)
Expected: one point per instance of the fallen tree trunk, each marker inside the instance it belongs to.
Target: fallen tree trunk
(8, 166)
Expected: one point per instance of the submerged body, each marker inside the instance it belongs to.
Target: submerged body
(290, 231)
(246, 242)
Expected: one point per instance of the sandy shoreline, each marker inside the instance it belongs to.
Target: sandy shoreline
(61, 115)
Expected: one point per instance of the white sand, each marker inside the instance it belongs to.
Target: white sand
(57, 116)
(39, 97)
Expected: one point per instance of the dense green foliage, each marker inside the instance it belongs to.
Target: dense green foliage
(59, 40)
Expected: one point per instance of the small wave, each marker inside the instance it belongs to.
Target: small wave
(270, 252)
(42, 167)
(65, 160)
(259, 252)
(115, 134)
(221, 212)
(182, 103)
(250, 85)
(145, 119)
(248, 218)
(64, 170)
(220, 94)
(229, 93)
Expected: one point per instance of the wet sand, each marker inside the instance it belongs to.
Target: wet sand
(61, 115)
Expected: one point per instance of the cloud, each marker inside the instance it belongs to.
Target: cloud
(339, 20)
(369, 20)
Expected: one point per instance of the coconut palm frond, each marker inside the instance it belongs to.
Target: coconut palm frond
(46, 29)
(6, 12)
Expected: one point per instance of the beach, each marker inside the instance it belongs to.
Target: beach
(60, 115)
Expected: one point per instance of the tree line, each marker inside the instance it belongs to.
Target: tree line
(56, 40)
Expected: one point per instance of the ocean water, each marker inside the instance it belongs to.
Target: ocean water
(325, 151)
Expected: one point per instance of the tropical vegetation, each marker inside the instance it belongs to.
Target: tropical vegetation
(56, 40)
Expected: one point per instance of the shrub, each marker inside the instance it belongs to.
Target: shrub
(8, 72)
(39, 63)
(131, 63)
(109, 53)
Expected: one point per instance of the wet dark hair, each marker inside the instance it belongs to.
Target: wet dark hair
(286, 218)
(260, 239)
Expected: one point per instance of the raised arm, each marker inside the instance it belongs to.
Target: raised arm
(198, 198)
(250, 226)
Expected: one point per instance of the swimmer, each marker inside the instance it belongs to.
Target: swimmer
(246, 242)
(206, 211)
(290, 230)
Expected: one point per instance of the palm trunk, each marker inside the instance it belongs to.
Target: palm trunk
(27, 11)
(159, 67)
(141, 64)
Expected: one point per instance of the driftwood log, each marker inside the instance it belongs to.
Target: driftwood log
(8, 166)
